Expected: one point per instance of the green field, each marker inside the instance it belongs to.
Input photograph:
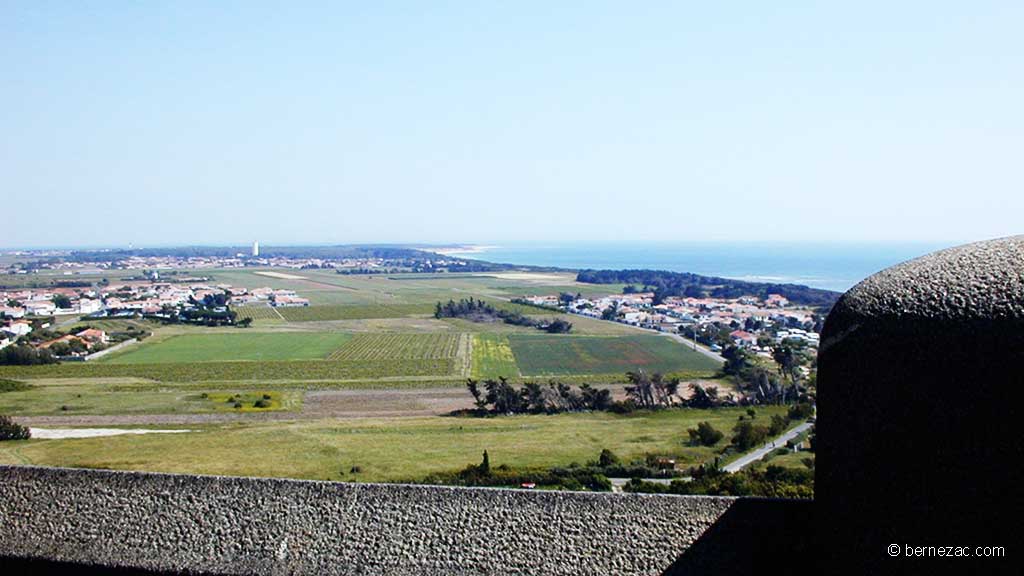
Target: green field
(387, 449)
(492, 357)
(543, 355)
(264, 313)
(400, 347)
(255, 346)
(245, 370)
(352, 312)
(124, 396)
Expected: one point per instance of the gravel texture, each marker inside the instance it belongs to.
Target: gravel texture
(980, 281)
(212, 524)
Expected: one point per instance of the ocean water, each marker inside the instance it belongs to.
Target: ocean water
(830, 266)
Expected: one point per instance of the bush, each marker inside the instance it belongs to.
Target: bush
(238, 404)
(607, 458)
(11, 430)
(778, 425)
(261, 403)
(705, 434)
(746, 435)
(24, 355)
(13, 385)
(801, 411)
(266, 396)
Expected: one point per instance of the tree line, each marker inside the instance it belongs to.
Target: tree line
(481, 311)
(664, 284)
(645, 392)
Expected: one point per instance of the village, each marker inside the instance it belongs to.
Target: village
(747, 322)
(65, 262)
(27, 313)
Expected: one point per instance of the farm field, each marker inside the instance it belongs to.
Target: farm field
(387, 449)
(262, 313)
(228, 347)
(353, 312)
(256, 371)
(543, 355)
(492, 357)
(400, 347)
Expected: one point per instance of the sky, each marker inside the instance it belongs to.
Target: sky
(178, 123)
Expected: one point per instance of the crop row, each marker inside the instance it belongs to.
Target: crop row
(353, 312)
(399, 347)
(206, 371)
(256, 312)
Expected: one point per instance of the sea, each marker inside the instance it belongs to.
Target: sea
(830, 266)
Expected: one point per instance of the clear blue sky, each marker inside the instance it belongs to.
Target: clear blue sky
(218, 122)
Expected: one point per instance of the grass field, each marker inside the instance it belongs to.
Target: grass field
(254, 346)
(128, 397)
(557, 355)
(353, 312)
(387, 449)
(492, 357)
(245, 370)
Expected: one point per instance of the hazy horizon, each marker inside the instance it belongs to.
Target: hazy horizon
(200, 124)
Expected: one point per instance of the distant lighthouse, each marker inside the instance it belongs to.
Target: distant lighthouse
(255, 249)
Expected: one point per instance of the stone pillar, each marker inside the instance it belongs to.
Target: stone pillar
(920, 435)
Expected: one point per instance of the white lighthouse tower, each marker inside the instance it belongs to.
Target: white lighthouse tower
(255, 249)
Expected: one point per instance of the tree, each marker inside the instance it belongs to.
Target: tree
(703, 397)
(778, 425)
(533, 396)
(25, 355)
(61, 301)
(611, 312)
(478, 398)
(789, 355)
(11, 430)
(559, 326)
(607, 458)
(485, 465)
(594, 398)
(705, 434)
(746, 435)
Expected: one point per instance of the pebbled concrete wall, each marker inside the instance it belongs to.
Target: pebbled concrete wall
(212, 524)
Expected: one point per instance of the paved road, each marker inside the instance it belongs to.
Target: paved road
(761, 452)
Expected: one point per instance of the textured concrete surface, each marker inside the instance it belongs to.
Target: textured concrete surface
(209, 524)
(984, 281)
(920, 383)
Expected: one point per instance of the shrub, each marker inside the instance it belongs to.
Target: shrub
(607, 458)
(25, 355)
(801, 411)
(11, 430)
(266, 396)
(261, 403)
(746, 435)
(705, 434)
(13, 385)
(778, 425)
(238, 404)
(355, 470)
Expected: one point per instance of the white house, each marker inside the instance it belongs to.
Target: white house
(40, 307)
